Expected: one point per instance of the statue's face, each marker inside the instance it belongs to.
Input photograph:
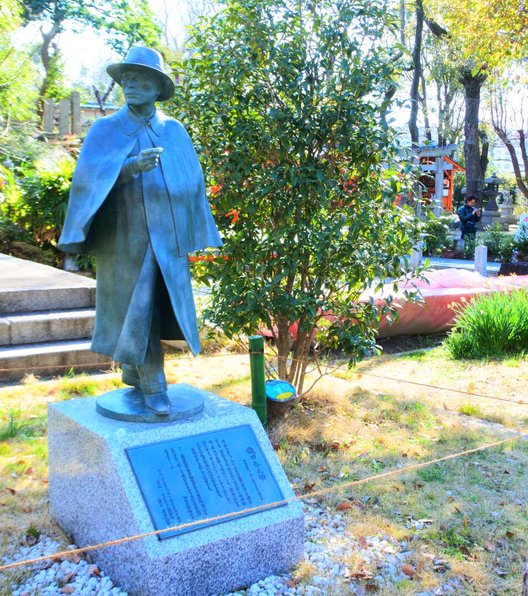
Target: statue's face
(140, 88)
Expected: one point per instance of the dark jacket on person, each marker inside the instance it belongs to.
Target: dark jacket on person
(468, 219)
(136, 225)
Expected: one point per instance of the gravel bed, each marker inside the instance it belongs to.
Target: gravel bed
(336, 562)
(75, 576)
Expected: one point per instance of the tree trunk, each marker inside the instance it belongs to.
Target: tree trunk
(402, 23)
(283, 346)
(46, 58)
(521, 185)
(101, 99)
(441, 115)
(417, 73)
(425, 109)
(524, 155)
(474, 173)
(484, 151)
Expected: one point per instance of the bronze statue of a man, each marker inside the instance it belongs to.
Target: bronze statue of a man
(138, 204)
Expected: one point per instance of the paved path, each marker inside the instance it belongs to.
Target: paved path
(439, 263)
(20, 274)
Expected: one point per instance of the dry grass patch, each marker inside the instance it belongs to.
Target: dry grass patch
(469, 512)
(435, 376)
(23, 441)
(464, 519)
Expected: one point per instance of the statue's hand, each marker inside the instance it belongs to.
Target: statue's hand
(148, 159)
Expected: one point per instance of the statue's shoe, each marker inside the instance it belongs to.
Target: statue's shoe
(158, 403)
(130, 377)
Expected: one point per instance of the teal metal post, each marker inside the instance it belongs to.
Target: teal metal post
(258, 377)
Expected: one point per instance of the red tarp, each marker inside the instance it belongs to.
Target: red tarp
(439, 290)
(433, 313)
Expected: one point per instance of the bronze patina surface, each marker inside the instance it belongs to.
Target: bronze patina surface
(138, 204)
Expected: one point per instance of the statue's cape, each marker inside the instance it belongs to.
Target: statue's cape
(107, 145)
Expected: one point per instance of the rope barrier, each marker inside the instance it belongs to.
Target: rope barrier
(472, 394)
(248, 511)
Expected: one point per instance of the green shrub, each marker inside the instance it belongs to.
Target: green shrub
(437, 236)
(17, 242)
(85, 262)
(520, 242)
(302, 167)
(507, 250)
(33, 204)
(32, 210)
(45, 192)
(470, 409)
(468, 252)
(500, 244)
(492, 325)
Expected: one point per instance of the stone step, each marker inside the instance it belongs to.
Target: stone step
(55, 325)
(38, 299)
(49, 359)
(26, 286)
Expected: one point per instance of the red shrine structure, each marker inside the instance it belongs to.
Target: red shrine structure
(438, 168)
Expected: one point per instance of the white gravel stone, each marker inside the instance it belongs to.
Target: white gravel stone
(327, 547)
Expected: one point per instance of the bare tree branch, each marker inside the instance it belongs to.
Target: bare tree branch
(499, 121)
(435, 28)
(522, 143)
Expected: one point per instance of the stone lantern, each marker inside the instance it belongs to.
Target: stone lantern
(491, 213)
(491, 191)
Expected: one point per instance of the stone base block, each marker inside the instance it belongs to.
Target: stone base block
(95, 497)
(489, 218)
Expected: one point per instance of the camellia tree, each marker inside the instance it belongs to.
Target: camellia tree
(286, 100)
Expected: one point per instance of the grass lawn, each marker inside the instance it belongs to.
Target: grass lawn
(464, 518)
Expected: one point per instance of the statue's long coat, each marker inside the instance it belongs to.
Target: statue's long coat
(140, 229)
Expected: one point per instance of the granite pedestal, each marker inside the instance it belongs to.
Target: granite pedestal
(95, 497)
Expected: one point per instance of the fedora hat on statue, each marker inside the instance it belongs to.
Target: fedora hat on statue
(148, 60)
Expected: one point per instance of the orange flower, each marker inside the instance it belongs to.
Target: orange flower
(209, 257)
(234, 215)
(350, 184)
